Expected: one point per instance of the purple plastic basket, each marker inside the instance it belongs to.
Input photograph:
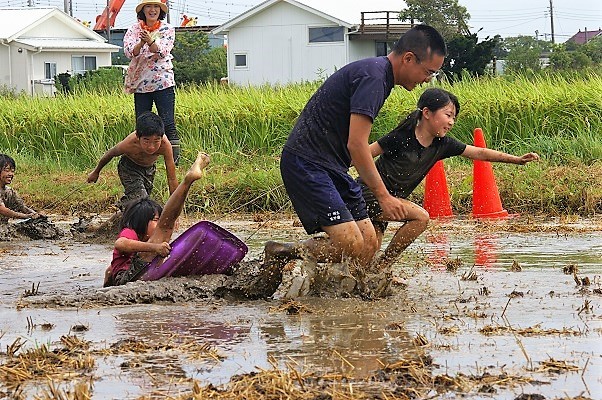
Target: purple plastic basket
(204, 248)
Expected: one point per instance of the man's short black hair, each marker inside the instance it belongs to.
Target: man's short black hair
(422, 40)
(149, 124)
(7, 161)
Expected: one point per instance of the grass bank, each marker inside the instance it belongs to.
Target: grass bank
(57, 141)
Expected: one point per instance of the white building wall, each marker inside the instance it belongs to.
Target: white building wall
(20, 64)
(5, 77)
(13, 68)
(359, 49)
(63, 61)
(52, 28)
(278, 50)
(28, 67)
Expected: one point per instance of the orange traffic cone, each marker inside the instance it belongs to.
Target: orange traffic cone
(436, 195)
(486, 201)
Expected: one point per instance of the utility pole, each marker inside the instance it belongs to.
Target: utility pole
(67, 7)
(109, 21)
(168, 9)
(552, 20)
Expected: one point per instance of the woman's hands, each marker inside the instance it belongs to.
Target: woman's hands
(148, 39)
(145, 37)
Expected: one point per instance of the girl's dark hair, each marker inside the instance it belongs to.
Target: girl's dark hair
(434, 99)
(6, 160)
(138, 213)
(142, 17)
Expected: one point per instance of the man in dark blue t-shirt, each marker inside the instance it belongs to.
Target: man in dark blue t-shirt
(332, 131)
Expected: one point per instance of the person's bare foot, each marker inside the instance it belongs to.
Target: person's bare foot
(278, 252)
(196, 169)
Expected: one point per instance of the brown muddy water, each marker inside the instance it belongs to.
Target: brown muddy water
(477, 298)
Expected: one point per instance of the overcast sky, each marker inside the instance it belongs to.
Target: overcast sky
(507, 18)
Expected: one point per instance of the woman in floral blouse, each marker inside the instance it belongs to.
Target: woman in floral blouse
(150, 76)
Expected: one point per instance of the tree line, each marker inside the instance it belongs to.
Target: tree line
(521, 53)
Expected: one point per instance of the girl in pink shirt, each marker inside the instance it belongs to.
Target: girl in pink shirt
(147, 229)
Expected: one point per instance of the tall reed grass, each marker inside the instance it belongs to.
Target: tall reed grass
(556, 115)
(244, 128)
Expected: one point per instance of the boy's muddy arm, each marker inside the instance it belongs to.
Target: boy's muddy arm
(170, 165)
(18, 208)
(484, 154)
(104, 160)
(170, 170)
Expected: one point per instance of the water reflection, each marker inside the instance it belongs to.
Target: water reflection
(486, 249)
(438, 252)
(346, 336)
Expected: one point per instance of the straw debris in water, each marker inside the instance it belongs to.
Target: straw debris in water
(82, 390)
(452, 265)
(531, 331)
(59, 364)
(403, 380)
(191, 348)
(556, 367)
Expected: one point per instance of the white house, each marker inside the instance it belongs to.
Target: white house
(36, 44)
(283, 41)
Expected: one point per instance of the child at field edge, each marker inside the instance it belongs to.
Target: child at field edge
(11, 205)
(139, 152)
(147, 228)
(407, 153)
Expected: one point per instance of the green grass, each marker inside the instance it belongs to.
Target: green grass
(60, 140)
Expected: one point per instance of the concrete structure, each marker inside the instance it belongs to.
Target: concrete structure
(36, 44)
(283, 41)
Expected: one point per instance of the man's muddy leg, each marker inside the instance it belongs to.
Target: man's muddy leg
(356, 240)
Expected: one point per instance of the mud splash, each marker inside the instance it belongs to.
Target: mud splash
(35, 229)
(248, 280)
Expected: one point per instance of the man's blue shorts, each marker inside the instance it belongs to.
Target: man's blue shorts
(321, 196)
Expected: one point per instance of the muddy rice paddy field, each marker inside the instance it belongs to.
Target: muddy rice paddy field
(479, 310)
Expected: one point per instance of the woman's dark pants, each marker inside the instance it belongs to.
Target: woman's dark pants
(165, 102)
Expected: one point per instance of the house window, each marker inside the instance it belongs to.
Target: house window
(240, 61)
(326, 34)
(384, 48)
(49, 70)
(81, 64)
